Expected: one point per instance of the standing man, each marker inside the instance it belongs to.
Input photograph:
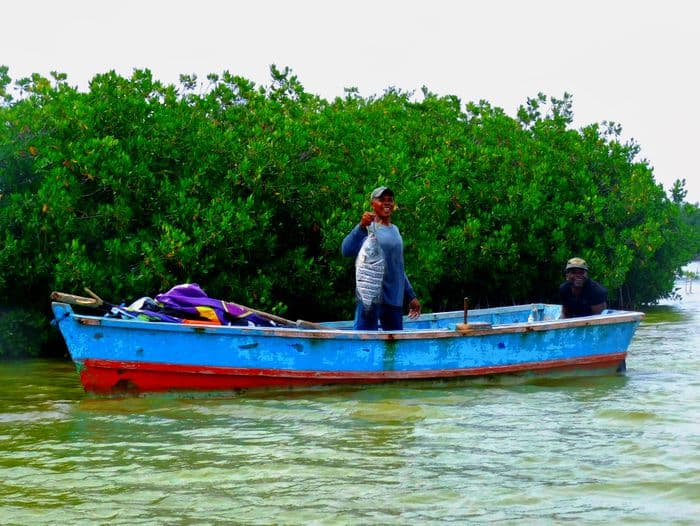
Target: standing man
(580, 295)
(395, 286)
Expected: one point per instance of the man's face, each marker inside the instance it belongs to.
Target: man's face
(577, 276)
(383, 206)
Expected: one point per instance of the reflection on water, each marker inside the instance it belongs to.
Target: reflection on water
(611, 449)
(665, 313)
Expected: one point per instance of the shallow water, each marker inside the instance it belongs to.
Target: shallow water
(602, 450)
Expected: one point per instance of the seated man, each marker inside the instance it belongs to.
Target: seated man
(580, 295)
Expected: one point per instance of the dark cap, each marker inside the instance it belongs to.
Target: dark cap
(576, 263)
(380, 192)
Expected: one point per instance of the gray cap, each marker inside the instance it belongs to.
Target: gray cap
(379, 192)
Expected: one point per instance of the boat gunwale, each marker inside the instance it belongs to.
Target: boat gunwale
(470, 330)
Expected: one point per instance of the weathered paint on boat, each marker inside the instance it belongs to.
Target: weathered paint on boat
(114, 355)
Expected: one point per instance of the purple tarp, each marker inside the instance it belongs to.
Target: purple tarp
(189, 302)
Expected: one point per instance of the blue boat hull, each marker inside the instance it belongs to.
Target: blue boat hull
(117, 355)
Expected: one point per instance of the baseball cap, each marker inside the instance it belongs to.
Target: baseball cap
(381, 191)
(576, 263)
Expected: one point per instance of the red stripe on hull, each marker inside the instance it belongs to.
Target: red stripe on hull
(109, 376)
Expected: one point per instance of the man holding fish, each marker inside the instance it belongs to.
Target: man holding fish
(381, 282)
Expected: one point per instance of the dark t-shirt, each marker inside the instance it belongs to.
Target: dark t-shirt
(593, 293)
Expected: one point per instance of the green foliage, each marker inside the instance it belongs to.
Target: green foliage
(135, 186)
(22, 333)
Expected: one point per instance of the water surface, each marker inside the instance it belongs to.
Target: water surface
(601, 450)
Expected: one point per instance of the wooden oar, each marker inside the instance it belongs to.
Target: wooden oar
(278, 319)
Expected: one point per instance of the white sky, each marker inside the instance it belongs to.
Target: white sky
(634, 62)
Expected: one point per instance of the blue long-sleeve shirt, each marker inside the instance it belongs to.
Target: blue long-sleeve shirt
(396, 286)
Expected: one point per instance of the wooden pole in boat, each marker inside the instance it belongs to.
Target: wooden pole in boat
(278, 319)
(464, 328)
(99, 300)
(77, 300)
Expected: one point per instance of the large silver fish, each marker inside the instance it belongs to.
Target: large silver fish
(369, 272)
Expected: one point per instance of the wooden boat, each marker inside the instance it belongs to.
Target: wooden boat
(129, 355)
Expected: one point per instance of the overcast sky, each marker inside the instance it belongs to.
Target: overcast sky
(634, 62)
